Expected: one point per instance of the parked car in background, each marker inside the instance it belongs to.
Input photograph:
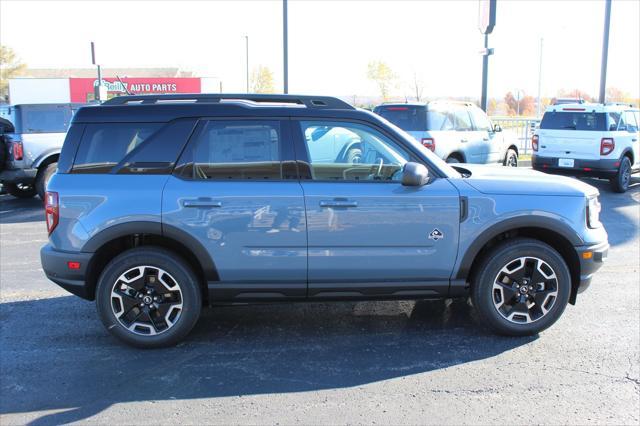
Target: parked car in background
(457, 132)
(165, 203)
(32, 147)
(599, 140)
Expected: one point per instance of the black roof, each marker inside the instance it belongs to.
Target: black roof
(163, 108)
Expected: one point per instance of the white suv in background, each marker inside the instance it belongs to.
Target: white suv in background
(458, 132)
(599, 140)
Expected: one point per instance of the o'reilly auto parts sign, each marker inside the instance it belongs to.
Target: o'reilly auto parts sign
(82, 89)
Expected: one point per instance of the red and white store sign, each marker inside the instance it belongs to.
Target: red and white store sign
(82, 89)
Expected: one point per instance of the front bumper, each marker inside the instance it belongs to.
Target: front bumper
(601, 167)
(591, 259)
(18, 175)
(55, 266)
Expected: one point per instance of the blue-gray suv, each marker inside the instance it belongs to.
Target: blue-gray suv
(163, 204)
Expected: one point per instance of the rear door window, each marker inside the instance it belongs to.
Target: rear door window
(407, 117)
(480, 120)
(440, 119)
(234, 150)
(574, 120)
(632, 125)
(105, 145)
(462, 120)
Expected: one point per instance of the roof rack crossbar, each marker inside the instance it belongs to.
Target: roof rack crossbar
(307, 101)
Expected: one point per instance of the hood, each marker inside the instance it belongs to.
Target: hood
(520, 181)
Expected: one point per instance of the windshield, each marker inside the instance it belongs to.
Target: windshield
(576, 120)
(407, 117)
(445, 168)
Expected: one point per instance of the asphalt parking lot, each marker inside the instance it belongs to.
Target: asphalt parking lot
(357, 363)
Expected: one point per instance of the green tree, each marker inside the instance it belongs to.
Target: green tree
(262, 80)
(10, 66)
(382, 75)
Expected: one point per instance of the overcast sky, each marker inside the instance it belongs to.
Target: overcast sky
(331, 42)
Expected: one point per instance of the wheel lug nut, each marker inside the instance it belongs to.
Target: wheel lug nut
(142, 305)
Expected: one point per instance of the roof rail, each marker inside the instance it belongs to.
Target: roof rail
(307, 101)
(619, 104)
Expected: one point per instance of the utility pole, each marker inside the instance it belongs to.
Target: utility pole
(285, 46)
(605, 52)
(246, 49)
(539, 80)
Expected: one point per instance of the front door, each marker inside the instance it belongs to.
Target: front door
(233, 193)
(473, 143)
(368, 234)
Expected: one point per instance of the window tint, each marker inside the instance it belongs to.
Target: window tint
(235, 150)
(463, 121)
(480, 119)
(408, 118)
(557, 120)
(104, 145)
(632, 125)
(439, 119)
(351, 152)
(45, 118)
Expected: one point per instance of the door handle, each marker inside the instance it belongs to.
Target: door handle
(634, 140)
(485, 139)
(463, 140)
(201, 202)
(338, 203)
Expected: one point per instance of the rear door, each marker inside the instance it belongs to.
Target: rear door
(493, 142)
(573, 133)
(473, 144)
(237, 192)
(629, 129)
(368, 234)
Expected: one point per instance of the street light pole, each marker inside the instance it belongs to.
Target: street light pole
(539, 79)
(285, 47)
(246, 45)
(605, 51)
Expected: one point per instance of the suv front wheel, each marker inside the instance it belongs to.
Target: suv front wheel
(521, 288)
(148, 297)
(620, 182)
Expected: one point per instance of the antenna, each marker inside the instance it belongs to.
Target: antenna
(126, 89)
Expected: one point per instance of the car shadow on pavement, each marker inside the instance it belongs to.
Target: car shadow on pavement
(57, 357)
(20, 210)
(620, 227)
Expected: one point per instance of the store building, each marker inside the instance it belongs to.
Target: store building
(53, 86)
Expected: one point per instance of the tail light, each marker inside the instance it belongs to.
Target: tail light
(607, 146)
(51, 210)
(429, 143)
(534, 142)
(18, 150)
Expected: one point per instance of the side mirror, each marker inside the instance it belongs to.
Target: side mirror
(414, 174)
(497, 128)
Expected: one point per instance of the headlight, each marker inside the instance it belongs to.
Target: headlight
(593, 212)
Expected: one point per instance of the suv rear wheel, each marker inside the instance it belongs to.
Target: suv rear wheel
(511, 159)
(620, 182)
(522, 287)
(148, 297)
(20, 190)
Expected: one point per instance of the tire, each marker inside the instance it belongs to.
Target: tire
(453, 160)
(20, 190)
(511, 159)
(354, 155)
(148, 268)
(620, 182)
(548, 295)
(42, 178)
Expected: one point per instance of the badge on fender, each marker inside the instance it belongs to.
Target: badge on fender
(436, 234)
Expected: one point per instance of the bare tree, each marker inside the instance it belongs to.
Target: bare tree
(418, 87)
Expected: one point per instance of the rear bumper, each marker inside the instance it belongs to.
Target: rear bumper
(603, 167)
(55, 266)
(18, 175)
(590, 263)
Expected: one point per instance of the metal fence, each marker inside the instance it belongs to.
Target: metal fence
(518, 129)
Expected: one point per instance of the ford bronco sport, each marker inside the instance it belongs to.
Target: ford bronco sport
(163, 204)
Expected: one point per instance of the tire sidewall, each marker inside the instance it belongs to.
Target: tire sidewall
(43, 177)
(163, 259)
(511, 154)
(483, 287)
(619, 184)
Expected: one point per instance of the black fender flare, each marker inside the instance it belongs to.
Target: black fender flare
(159, 229)
(45, 156)
(514, 223)
(628, 151)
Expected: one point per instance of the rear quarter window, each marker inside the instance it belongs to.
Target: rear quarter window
(44, 118)
(105, 145)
